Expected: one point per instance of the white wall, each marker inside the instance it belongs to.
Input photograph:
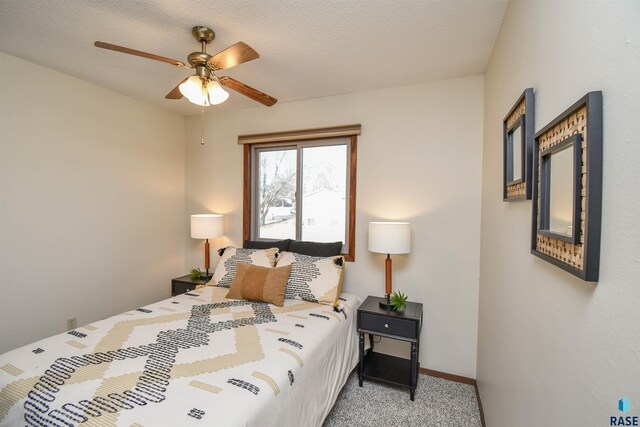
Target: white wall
(419, 159)
(92, 202)
(554, 350)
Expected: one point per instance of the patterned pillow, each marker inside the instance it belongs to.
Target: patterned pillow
(315, 279)
(226, 269)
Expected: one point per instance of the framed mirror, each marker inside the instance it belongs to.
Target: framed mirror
(560, 173)
(567, 190)
(517, 129)
(515, 153)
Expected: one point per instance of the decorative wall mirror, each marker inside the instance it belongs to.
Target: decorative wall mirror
(517, 129)
(515, 153)
(560, 175)
(567, 191)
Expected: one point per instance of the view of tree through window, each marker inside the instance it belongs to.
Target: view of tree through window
(277, 191)
(323, 181)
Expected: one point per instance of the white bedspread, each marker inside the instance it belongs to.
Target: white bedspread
(192, 360)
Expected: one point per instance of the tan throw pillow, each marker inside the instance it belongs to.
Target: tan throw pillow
(315, 279)
(260, 283)
(226, 268)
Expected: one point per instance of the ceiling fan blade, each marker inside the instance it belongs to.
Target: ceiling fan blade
(123, 49)
(232, 56)
(175, 92)
(248, 91)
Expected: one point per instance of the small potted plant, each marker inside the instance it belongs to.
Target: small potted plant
(399, 301)
(196, 274)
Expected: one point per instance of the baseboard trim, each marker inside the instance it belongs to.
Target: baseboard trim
(480, 405)
(447, 376)
(458, 379)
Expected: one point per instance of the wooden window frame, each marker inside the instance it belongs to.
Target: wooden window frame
(352, 131)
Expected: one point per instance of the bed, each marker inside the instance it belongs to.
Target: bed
(193, 360)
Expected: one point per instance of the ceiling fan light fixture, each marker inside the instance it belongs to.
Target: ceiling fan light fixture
(191, 88)
(217, 95)
(200, 100)
(204, 94)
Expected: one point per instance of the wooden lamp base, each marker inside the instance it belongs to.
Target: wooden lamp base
(207, 259)
(386, 305)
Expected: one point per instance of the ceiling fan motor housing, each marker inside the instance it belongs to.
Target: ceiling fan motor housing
(198, 60)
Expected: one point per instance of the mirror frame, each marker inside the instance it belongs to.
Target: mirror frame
(546, 182)
(581, 125)
(521, 114)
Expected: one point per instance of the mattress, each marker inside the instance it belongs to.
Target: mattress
(193, 360)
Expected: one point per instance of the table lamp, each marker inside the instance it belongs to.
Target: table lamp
(389, 238)
(206, 226)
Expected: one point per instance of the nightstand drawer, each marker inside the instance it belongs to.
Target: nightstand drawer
(180, 288)
(388, 325)
(183, 284)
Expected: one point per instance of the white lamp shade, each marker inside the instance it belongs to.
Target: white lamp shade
(390, 237)
(191, 88)
(202, 98)
(207, 226)
(217, 95)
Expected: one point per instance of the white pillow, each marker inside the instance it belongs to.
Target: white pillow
(315, 279)
(226, 268)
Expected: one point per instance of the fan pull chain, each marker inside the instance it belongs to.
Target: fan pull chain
(202, 126)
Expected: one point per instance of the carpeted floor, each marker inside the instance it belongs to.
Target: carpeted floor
(438, 403)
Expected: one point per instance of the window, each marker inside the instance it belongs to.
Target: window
(301, 188)
(314, 170)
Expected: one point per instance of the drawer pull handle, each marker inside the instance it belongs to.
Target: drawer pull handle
(386, 325)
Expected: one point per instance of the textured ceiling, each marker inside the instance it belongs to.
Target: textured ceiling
(308, 48)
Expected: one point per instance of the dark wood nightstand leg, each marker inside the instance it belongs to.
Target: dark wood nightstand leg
(414, 369)
(361, 358)
(371, 342)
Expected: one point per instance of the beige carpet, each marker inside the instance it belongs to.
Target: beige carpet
(437, 402)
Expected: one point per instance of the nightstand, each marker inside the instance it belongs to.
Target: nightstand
(185, 283)
(404, 326)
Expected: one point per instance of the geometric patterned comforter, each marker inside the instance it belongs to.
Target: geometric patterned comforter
(197, 359)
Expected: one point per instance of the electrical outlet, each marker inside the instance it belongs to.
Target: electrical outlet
(72, 323)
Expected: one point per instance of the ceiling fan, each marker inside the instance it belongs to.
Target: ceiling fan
(205, 87)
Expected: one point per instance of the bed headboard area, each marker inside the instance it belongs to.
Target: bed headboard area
(315, 270)
(297, 246)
